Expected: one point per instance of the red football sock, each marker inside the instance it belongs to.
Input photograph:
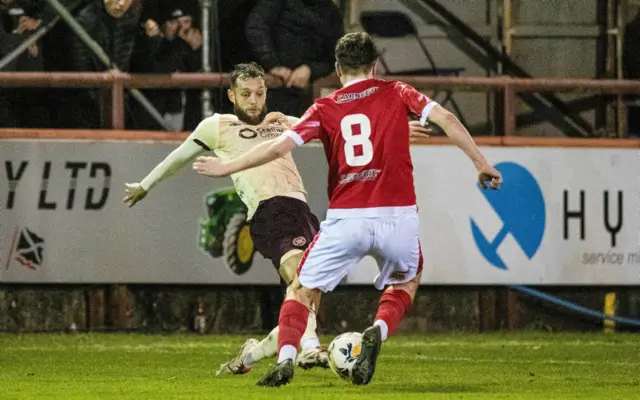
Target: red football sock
(292, 323)
(393, 305)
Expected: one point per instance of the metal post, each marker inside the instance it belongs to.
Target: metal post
(507, 27)
(355, 7)
(100, 53)
(206, 54)
(509, 110)
(610, 64)
(621, 12)
(117, 104)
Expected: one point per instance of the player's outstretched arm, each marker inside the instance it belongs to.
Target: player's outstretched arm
(203, 138)
(259, 155)
(459, 135)
(175, 161)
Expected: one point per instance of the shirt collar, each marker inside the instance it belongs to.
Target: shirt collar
(351, 82)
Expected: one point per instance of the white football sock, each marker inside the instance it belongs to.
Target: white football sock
(287, 352)
(384, 329)
(268, 347)
(310, 339)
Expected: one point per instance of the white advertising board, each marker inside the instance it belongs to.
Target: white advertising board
(563, 216)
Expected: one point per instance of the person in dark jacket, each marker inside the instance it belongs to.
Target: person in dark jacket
(171, 46)
(294, 40)
(112, 24)
(234, 48)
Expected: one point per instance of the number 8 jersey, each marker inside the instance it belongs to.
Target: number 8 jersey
(365, 132)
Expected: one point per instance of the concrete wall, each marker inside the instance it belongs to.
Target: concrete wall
(167, 309)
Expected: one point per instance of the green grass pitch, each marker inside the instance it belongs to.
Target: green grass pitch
(444, 366)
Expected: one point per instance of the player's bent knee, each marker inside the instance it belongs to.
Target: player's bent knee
(316, 300)
(289, 265)
(293, 288)
(411, 287)
(306, 296)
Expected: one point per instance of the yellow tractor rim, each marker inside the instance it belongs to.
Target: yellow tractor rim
(245, 244)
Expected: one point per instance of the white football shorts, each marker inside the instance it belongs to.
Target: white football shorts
(341, 243)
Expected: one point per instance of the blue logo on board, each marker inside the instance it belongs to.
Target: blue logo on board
(520, 205)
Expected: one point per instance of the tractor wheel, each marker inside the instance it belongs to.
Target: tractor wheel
(237, 248)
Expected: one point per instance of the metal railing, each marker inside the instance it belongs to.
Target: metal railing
(117, 82)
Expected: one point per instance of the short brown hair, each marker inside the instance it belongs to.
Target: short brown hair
(246, 71)
(356, 52)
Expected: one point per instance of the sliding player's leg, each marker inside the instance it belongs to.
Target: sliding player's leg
(312, 354)
(335, 250)
(253, 351)
(400, 261)
(282, 228)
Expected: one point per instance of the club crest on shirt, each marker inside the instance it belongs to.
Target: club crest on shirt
(299, 241)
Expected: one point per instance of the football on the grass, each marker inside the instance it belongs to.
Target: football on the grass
(343, 353)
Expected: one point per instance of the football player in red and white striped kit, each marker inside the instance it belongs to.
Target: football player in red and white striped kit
(372, 201)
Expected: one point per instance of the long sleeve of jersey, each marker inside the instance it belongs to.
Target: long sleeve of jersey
(174, 162)
(204, 138)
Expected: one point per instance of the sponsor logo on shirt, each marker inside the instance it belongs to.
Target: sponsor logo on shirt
(366, 175)
(347, 97)
(263, 132)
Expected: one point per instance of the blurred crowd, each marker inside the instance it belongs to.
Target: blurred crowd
(292, 39)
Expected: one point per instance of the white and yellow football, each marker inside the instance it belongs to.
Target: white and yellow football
(343, 353)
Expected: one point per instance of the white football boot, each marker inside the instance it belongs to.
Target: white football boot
(236, 365)
(313, 357)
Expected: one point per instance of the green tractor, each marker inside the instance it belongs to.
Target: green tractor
(226, 233)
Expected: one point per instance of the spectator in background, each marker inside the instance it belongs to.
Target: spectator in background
(171, 46)
(112, 24)
(294, 40)
(55, 54)
(24, 107)
(234, 47)
(193, 63)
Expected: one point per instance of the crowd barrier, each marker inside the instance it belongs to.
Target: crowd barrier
(116, 83)
(160, 136)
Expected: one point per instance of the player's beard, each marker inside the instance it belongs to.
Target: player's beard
(248, 119)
